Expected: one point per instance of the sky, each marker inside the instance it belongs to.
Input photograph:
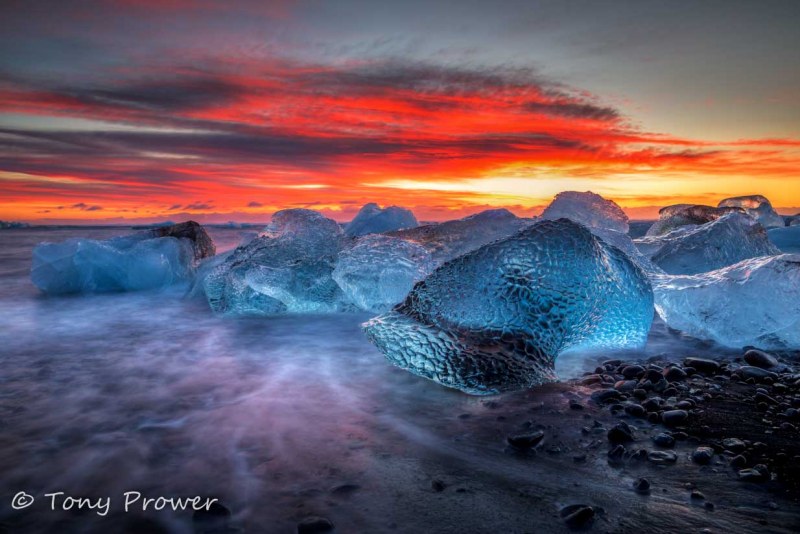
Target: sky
(151, 110)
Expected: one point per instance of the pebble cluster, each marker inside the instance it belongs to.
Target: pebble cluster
(743, 415)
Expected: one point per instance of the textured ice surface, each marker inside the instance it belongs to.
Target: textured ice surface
(696, 249)
(495, 319)
(602, 217)
(758, 207)
(120, 264)
(787, 239)
(286, 270)
(371, 219)
(589, 209)
(680, 215)
(754, 302)
(451, 239)
(144, 260)
(626, 245)
(379, 271)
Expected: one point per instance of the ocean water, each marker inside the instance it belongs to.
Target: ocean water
(277, 417)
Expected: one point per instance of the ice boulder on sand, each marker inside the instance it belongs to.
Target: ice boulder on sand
(695, 249)
(754, 302)
(450, 239)
(589, 209)
(288, 269)
(757, 207)
(144, 260)
(371, 219)
(496, 318)
(379, 271)
(678, 216)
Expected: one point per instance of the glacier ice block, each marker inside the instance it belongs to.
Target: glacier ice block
(589, 209)
(695, 249)
(144, 260)
(379, 271)
(758, 207)
(496, 318)
(371, 219)
(754, 302)
(286, 270)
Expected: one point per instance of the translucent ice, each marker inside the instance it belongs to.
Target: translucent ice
(696, 249)
(758, 207)
(371, 219)
(145, 260)
(787, 239)
(604, 218)
(754, 302)
(589, 209)
(451, 239)
(681, 215)
(626, 245)
(496, 318)
(379, 271)
(288, 269)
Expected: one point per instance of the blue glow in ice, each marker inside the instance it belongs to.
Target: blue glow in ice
(379, 271)
(696, 249)
(286, 270)
(145, 260)
(496, 318)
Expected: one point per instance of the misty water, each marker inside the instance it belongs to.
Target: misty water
(277, 417)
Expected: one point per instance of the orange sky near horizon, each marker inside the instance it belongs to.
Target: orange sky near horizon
(222, 133)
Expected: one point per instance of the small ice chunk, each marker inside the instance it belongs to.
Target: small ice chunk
(680, 215)
(144, 260)
(450, 239)
(589, 209)
(379, 271)
(758, 207)
(371, 219)
(286, 270)
(496, 318)
(754, 302)
(696, 249)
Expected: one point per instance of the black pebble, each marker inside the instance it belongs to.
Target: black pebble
(314, 525)
(577, 515)
(664, 440)
(674, 417)
(703, 455)
(642, 485)
(636, 410)
(527, 440)
(621, 433)
(674, 374)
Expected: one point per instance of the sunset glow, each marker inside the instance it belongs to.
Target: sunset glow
(240, 130)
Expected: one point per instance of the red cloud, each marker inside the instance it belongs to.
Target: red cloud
(287, 133)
